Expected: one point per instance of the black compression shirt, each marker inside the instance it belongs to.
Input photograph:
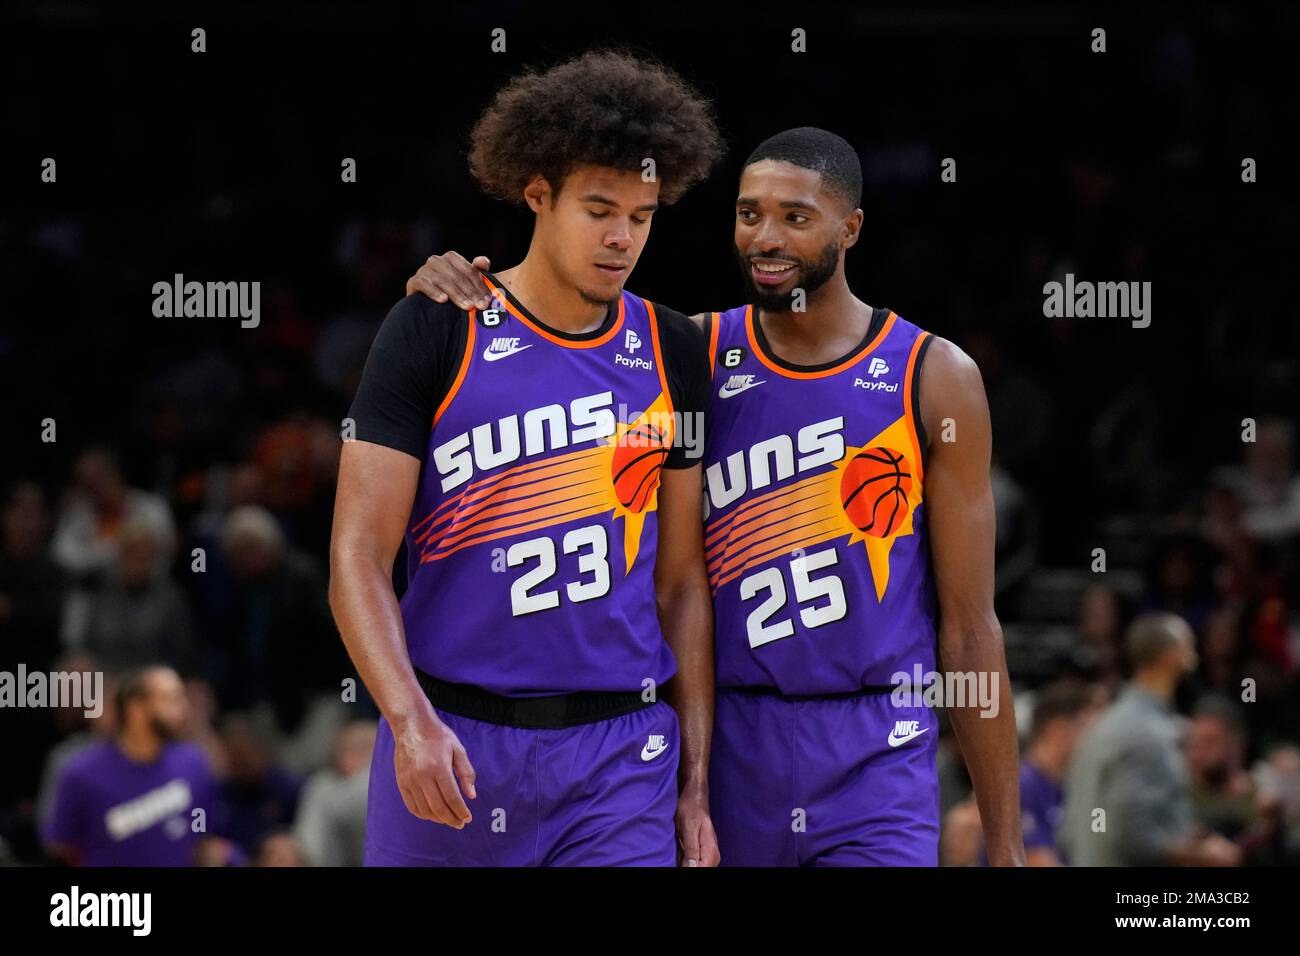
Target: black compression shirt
(419, 347)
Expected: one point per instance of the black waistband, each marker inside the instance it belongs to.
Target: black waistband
(553, 712)
(869, 691)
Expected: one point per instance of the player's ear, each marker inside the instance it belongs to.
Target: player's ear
(537, 193)
(853, 228)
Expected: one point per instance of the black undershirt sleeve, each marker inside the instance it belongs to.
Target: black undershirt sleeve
(686, 367)
(412, 363)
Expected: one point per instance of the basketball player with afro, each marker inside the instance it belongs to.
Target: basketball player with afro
(849, 540)
(527, 451)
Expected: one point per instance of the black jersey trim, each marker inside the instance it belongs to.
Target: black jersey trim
(878, 317)
(922, 440)
(611, 316)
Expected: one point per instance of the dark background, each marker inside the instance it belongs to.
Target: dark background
(1122, 166)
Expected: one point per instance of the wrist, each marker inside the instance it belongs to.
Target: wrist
(694, 784)
(417, 719)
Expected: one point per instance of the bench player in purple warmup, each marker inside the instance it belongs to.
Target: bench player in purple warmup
(845, 544)
(527, 452)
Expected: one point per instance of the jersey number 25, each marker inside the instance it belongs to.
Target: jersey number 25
(761, 629)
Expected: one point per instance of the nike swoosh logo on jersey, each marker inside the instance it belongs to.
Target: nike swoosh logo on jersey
(899, 741)
(648, 754)
(489, 356)
(727, 392)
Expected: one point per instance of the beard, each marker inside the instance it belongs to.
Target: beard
(814, 274)
(592, 298)
(1217, 775)
(165, 731)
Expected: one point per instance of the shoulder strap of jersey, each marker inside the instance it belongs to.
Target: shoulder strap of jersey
(726, 330)
(466, 356)
(712, 320)
(653, 321)
(912, 398)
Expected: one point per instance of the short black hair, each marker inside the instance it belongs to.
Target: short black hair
(133, 685)
(1062, 698)
(1150, 635)
(604, 108)
(821, 151)
(1223, 709)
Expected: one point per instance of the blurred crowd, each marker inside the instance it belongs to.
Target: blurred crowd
(182, 517)
(219, 573)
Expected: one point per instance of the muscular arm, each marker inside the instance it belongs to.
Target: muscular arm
(686, 616)
(959, 500)
(376, 489)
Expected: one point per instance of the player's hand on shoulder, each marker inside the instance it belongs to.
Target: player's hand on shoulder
(452, 276)
(429, 759)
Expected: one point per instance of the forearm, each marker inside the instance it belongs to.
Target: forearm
(370, 621)
(987, 737)
(686, 616)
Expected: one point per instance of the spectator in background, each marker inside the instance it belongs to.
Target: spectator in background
(98, 504)
(1100, 630)
(1178, 580)
(31, 584)
(219, 851)
(257, 795)
(331, 825)
(276, 631)
(31, 595)
(1268, 484)
(1223, 527)
(297, 460)
(130, 800)
(962, 840)
(78, 731)
(1277, 778)
(1063, 711)
(1221, 651)
(138, 614)
(201, 723)
(1223, 794)
(1130, 768)
(280, 849)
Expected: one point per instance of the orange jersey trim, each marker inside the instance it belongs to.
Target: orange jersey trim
(847, 363)
(654, 338)
(549, 336)
(460, 374)
(910, 413)
(713, 340)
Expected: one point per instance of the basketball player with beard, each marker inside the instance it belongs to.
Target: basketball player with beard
(849, 541)
(129, 800)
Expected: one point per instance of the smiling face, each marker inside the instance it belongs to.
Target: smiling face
(593, 230)
(791, 232)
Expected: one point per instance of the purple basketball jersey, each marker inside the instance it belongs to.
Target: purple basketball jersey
(531, 544)
(115, 812)
(815, 533)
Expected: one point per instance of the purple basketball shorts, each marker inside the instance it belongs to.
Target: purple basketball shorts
(824, 782)
(598, 794)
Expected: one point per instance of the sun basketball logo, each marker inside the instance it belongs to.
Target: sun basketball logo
(874, 490)
(639, 456)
